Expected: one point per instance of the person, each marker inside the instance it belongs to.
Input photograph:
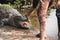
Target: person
(58, 16)
(58, 19)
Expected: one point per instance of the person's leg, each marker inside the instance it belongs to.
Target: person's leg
(58, 13)
(58, 24)
(58, 19)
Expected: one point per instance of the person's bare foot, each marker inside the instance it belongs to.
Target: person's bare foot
(59, 35)
(38, 35)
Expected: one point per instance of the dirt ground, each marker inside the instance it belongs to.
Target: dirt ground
(13, 33)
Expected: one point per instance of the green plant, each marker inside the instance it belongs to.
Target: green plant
(17, 4)
(7, 5)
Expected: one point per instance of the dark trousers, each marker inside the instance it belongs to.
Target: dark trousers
(35, 3)
(58, 18)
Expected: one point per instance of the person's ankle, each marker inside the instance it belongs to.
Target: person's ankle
(58, 34)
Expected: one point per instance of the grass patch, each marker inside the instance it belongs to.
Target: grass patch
(7, 5)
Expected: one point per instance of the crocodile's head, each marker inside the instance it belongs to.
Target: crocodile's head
(22, 22)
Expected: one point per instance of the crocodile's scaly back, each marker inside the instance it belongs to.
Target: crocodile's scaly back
(6, 12)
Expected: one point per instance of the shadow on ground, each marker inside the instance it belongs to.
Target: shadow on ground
(13, 33)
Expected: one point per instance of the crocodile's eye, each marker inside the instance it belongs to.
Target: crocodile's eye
(21, 18)
(26, 19)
